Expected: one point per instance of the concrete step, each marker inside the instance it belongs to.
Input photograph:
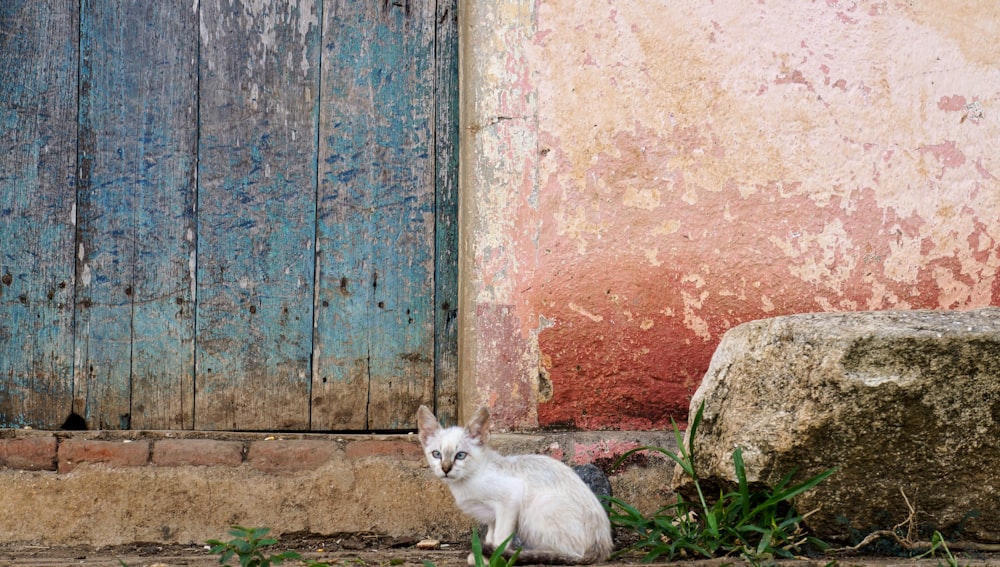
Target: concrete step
(104, 488)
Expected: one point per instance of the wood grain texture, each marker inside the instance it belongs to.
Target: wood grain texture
(38, 87)
(402, 194)
(163, 329)
(135, 325)
(446, 212)
(374, 360)
(197, 233)
(256, 205)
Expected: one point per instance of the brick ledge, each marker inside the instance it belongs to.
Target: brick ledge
(63, 451)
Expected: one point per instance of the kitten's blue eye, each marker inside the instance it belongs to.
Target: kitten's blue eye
(436, 454)
(460, 455)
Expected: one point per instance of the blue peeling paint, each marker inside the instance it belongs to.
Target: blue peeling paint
(153, 199)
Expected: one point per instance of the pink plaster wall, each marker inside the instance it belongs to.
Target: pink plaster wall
(686, 166)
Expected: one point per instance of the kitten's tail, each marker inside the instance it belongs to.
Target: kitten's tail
(545, 557)
(534, 557)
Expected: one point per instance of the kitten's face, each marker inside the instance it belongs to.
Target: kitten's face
(451, 452)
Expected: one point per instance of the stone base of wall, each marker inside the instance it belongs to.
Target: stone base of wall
(116, 487)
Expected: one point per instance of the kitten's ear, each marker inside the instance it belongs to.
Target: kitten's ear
(479, 425)
(427, 424)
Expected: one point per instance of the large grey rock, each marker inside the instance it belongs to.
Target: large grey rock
(899, 401)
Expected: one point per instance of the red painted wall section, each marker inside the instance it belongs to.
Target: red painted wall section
(697, 165)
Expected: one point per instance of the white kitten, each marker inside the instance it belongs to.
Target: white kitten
(555, 517)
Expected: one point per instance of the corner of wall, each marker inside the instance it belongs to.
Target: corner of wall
(498, 354)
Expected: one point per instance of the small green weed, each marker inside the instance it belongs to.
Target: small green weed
(496, 559)
(757, 525)
(938, 543)
(248, 545)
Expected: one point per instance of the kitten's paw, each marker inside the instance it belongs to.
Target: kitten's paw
(471, 559)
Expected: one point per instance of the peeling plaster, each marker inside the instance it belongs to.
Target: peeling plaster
(577, 309)
(668, 172)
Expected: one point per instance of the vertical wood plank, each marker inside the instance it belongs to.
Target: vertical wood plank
(256, 204)
(163, 329)
(374, 359)
(446, 212)
(38, 86)
(402, 334)
(344, 245)
(135, 325)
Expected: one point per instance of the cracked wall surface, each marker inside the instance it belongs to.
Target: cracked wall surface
(639, 177)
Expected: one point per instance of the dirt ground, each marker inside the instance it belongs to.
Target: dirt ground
(373, 551)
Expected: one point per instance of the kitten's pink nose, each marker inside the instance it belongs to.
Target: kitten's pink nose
(446, 466)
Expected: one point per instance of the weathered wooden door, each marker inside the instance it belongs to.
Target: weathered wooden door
(233, 215)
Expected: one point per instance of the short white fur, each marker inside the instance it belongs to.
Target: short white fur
(555, 516)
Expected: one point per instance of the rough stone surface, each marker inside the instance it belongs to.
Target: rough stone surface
(904, 402)
(595, 479)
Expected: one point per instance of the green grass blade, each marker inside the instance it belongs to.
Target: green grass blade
(477, 548)
(786, 494)
(764, 545)
(665, 452)
(497, 559)
(692, 434)
(741, 477)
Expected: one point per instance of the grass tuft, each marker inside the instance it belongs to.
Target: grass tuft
(757, 525)
(248, 545)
